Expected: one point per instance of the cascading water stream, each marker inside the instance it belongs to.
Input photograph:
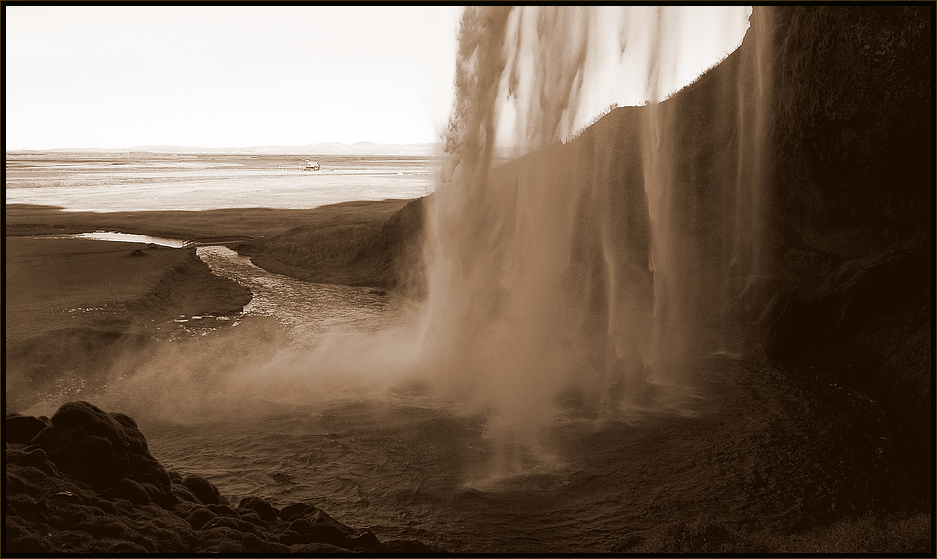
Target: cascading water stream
(595, 268)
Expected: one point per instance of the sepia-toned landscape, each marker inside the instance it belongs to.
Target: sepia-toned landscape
(700, 325)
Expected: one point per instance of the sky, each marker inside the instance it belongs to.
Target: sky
(225, 76)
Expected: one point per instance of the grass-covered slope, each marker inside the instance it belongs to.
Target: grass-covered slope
(376, 244)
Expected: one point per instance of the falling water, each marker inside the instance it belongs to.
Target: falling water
(593, 268)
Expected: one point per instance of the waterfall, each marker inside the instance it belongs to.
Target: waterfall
(597, 264)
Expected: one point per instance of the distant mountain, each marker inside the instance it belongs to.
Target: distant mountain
(330, 148)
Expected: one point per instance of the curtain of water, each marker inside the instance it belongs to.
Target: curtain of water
(589, 268)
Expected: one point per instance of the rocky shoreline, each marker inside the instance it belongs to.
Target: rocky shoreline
(84, 481)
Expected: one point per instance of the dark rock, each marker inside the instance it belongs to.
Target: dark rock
(203, 489)
(252, 517)
(200, 517)
(223, 510)
(69, 497)
(254, 542)
(14, 484)
(220, 539)
(247, 527)
(89, 417)
(136, 253)
(171, 533)
(182, 492)
(289, 537)
(275, 547)
(154, 493)
(143, 467)
(106, 507)
(123, 505)
(315, 548)
(263, 509)
(19, 539)
(79, 541)
(106, 527)
(133, 492)
(21, 429)
(409, 547)
(33, 481)
(97, 462)
(366, 540)
(100, 449)
(627, 543)
(125, 420)
(112, 546)
(294, 510)
(301, 526)
(334, 533)
(319, 516)
(34, 457)
(183, 508)
(229, 522)
(225, 521)
(24, 505)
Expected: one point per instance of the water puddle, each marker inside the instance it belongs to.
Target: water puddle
(117, 237)
(131, 238)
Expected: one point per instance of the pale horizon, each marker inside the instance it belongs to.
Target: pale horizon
(270, 148)
(122, 77)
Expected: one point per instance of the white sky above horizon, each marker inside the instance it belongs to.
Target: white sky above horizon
(226, 76)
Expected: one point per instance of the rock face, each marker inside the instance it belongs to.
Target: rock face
(20, 429)
(104, 451)
(86, 483)
(850, 206)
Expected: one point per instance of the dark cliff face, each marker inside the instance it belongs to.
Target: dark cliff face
(850, 226)
(852, 133)
(853, 120)
(846, 211)
(843, 300)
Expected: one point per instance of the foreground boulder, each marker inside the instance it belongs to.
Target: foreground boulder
(106, 452)
(21, 429)
(85, 482)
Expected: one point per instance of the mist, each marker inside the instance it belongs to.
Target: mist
(583, 272)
